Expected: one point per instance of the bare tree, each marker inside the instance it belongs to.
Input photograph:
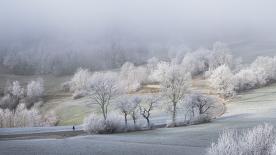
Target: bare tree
(103, 90)
(174, 86)
(146, 106)
(199, 103)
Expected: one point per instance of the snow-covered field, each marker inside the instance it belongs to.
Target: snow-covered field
(249, 109)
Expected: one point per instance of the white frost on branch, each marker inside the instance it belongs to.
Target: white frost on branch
(174, 86)
(103, 89)
(221, 80)
(34, 92)
(259, 140)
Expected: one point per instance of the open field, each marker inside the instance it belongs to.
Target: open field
(247, 110)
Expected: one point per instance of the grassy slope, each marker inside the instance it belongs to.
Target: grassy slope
(72, 112)
(246, 111)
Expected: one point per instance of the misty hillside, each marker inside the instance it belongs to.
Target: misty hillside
(138, 77)
(96, 35)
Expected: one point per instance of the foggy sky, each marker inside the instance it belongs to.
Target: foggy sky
(194, 23)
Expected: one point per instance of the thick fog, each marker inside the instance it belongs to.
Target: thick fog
(66, 34)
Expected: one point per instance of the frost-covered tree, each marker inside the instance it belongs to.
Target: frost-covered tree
(127, 77)
(147, 105)
(206, 60)
(34, 92)
(79, 84)
(265, 68)
(196, 62)
(260, 73)
(103, 89)
(13, 94)
(124, 107)
(174, 86)
(158, 74)
(199, 104)
(127, 106)
(131, 77)
(20, 117)
(126, 68)
(222, 81)
(176, 53)
(245, 79)
(220, 56)
(135, 101)
(259, 140)
(152, 63)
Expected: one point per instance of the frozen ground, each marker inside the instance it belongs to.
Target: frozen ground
(248, 110)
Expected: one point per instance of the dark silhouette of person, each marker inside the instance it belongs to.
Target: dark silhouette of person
(73, 128)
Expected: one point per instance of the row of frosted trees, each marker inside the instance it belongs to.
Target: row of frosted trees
(109, 89)
(226, 74)
(18, 106)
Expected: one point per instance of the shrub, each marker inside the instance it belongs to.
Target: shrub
(171, 124)
(79, 94)
(66, 86)
(50, 119)
(98, 125)
(257, 141)
(203, 118)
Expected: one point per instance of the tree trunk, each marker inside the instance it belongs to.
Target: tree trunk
(174, 114)
(148, 122)
(134, 120)
(125, 120)
(200, 111)
(104, 114)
